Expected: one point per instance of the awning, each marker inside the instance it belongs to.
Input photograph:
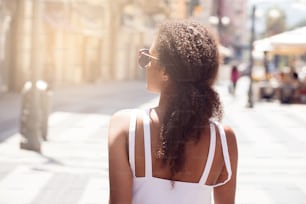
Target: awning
(289, 42)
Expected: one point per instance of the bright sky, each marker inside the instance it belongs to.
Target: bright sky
(295, 9)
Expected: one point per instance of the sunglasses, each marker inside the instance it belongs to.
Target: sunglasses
(144, 58)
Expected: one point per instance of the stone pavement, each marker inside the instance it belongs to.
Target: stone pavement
(73, 166)
(272, 149)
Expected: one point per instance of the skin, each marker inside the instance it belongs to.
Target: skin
(120, 175)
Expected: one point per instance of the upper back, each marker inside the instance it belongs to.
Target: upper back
(202, 167)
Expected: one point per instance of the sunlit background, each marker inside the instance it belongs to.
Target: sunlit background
(82, 56)
(88, 41)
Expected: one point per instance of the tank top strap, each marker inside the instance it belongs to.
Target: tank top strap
(225, 154)
(211, 154)
(147, 142)
(132, 131)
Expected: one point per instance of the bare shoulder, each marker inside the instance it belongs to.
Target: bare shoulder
(119, 123)
(230, 133)
(122, 115)
(231, 138)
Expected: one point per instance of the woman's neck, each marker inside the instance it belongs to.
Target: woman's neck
(158, 112)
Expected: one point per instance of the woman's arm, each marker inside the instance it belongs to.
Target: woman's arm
(120, 176)
(225, 194)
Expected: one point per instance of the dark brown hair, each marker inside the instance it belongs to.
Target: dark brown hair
(189, 54)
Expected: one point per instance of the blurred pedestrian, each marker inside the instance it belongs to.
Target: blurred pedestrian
(176, 152)
(234, 78)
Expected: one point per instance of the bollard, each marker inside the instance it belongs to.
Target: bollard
(34, 115)
(46, 96)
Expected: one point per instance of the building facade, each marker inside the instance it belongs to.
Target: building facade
(79, 41)
(239, 16)
(7, 10)
(231, 21)
(89, 40)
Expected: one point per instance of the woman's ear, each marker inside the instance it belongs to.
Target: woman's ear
(164, 76)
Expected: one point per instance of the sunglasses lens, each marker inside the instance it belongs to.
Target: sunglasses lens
(143, 59)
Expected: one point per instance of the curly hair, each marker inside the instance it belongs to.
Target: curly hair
(189, 54)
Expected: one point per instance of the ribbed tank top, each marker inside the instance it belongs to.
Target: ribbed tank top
(152, 190)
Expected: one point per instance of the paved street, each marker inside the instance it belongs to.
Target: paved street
(272, 149)
(72, 168)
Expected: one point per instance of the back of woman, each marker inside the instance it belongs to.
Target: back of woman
(176, 152)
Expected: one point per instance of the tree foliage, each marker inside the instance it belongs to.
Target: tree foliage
(275, 21)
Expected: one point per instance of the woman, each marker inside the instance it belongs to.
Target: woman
(175, 153)
(234, 78)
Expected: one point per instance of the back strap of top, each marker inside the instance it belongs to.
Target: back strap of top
(147, 142)
(211, 154)
(225, 154)
(132, 130)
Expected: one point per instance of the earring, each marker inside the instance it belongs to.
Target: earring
(165, 77)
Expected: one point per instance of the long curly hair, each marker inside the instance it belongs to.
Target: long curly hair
(189, 54)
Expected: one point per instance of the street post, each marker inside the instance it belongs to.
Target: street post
(251, 59)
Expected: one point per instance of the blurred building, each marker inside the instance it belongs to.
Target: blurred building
(230, 20)
(240, 30)
(93, 40)
(80, 41)
(201, 10)
(7, 9)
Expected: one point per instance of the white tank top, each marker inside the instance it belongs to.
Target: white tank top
(151, 190)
